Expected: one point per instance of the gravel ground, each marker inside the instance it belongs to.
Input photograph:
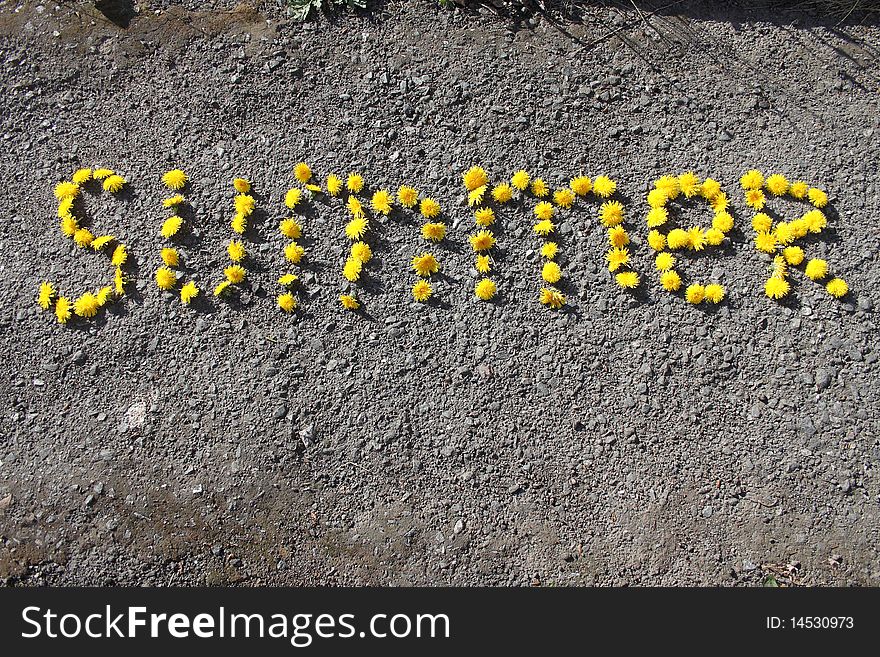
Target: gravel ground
(630, 439)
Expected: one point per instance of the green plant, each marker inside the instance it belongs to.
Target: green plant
(302, 8)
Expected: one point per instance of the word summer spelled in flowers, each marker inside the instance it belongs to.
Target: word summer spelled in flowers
(524, 196)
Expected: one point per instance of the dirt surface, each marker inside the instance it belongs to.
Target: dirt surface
(631, 439)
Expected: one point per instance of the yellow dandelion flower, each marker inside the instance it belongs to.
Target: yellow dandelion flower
(723, 221)
(798, 189)
(551, 272)
(352, 269)
(656, 240)
(361, 251)
(87, 305)
(221, 288)
(482, 241)
(65, 207)
(539, 188)
(485, 289)
(544, 228)
(83, 237)
(354, 183)
(678, 239)
(235, 274)
(241, 185)
(171, 226)
(755, 199)
(776, 288)
(837, 287)
(689, 184)
(720, 203)
(434, 232)
(544, 210)
(603, 186)
(669, 185)
(611, 213)
(664, 261)
(313, 188)
(104, 296)
(102, 173)
(407, 196)
(657, 198)
(776, 184)
(779, 267)
(762, 223)
(173, 201)
(69, 226)
(657, 217)
(520, 180)
(425, 264)
(113, 183)
(355, 207)
(235, 250)
(381, 201)
(422, 290)
(334, 184)
(170, 257)
(165, 278)
(715, 293)
(784, 233)
(765, 242)
(794, 255)
(81, 176)
(188, 292)
(66, 189)
(714, 236)
(239, 223)
(817, 197)
(174, 179)
(484, 217)
(100, 242)
(564, 197)
(617, 258)
(710, 189)
(294, 252)
(696, 238)
(671, 280)
(475, 177)
(695, 293)
(47, 294)
(581, 185)
(286, 302)
(288, 279)
(618, 236)
(120, 255)
(549, 250)
(356, 228)
(752, 180)
(475, 196)
(552, 298)
(816, 269)
(302, 172)
(815, 221)
(244, 204)
(62, 310)
(429, 208)
(290, 228)
(799, 228)
(502, 192)
(119, 281)
(628, 280)
(292, 197)
(349, 302)
(483, 264)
